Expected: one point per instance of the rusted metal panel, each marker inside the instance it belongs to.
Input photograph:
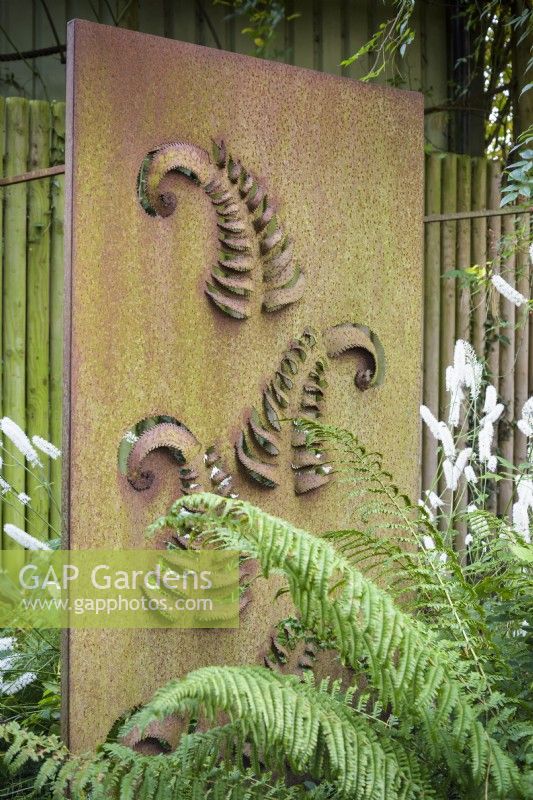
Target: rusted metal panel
(157, 325)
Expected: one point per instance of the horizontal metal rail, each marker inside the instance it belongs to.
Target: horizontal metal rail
(33, 176)
(485, 212)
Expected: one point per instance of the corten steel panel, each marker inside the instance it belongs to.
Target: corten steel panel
(343, 161)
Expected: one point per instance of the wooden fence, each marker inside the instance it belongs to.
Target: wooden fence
(32, 135)
(31, 309)
(458, 308)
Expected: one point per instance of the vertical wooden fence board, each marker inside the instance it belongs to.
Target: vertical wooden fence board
(462, 303)
(507, 363)
(303, 34)
(494, 232)
(447, 285)
(463, 262)
(56, 311)
(14, 302)
(522, 338)
(431, 313)
(479, 252)
(332, 38)
(2, 192)
(37, 305)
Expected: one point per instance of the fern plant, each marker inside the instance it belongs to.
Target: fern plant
(412, 671)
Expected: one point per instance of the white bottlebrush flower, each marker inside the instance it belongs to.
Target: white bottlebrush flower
(434, 500)
(525, 424)
(46, 447)
(507, 291)
(4, 486)
(468, 539)
(454, 412)
(7, 642)
(446, 438)
(428, 542)
(451, 475)
(12, 687)
(492, 463)
(431, 421)
(521, 520)
(24, 539)
(494, 414)
(491, 398)
(24, 498)
(470, 475)
(462, 459)
(465, 372)
(525, 427)
(7, 663)
(486, 434)
(16, 435)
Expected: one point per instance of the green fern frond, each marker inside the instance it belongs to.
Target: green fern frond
(287, 720)
(402, 658)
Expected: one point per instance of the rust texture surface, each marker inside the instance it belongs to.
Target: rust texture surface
(186, 300)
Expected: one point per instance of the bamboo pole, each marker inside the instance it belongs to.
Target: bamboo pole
(479, 253)
(494, 233)
(522, 339)
(462, 312)
(447, 290)
(464, 187)
(431, 314)
(14, 302)
(447, 285)
(507, 355)
(37, 306)
(2, 151)
(56, 310)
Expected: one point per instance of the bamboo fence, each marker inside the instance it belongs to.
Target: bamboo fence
(31, 289)
(32, 134)
(456, 307)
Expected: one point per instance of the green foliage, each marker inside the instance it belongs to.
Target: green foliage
(264, 18)
(390, 40)
(519, 186)
(415, 674)
(285, 720)
(37, 706)
(194, 771)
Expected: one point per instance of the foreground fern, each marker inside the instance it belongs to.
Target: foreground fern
(401, 658)
(286, 720)
(193, 771)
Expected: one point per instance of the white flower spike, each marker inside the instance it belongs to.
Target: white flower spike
(46, 447)
(24, 539)
(507, 291)
(12, 687)
(16, 435)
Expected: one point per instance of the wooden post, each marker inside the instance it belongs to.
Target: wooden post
(56, 310)
(447, 285)
(462, 309)
(507, 354)
(2, 150)
(522, 337)
(37, 304)
(447, 288)
(431, 314)
(494, 232)
(14, 300)
(479, 253)
(464, 186)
